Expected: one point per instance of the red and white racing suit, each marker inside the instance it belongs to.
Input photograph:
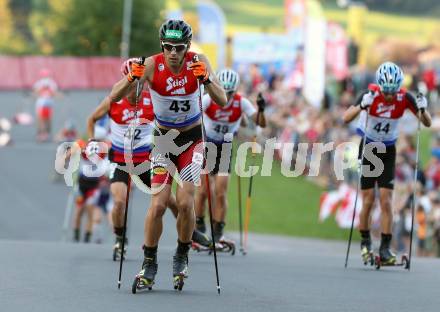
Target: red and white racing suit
(175, 101)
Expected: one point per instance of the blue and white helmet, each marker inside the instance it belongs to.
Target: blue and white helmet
(229, 79)
(389, 77)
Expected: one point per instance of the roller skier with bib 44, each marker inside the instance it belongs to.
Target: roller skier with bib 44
(380, 109)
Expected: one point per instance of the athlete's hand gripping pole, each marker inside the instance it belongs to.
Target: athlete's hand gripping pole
(196, 60)
(369, 96)
(139, 62)
(261, 102)
(420, 98)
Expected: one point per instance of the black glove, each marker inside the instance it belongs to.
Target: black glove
(261, 103)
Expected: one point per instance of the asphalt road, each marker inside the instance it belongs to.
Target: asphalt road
(39, 272)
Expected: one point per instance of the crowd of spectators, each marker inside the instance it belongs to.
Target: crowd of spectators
(292, 119)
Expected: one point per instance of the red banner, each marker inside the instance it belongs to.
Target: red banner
(337, 54)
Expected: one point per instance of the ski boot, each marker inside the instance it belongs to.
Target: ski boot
(87, 237)
(221, 243)
(366, 250)
(76, 235)
(386, 257)
(117, 248)
(180, 265)
(200, 224)
(200, 241)
(145, 278)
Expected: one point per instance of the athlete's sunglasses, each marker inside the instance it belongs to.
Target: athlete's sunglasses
(177, 47)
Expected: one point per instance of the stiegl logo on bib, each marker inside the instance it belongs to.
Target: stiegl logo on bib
(175, 83)
(127, 114)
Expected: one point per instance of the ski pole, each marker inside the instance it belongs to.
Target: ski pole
(364, 142)
(196, 59)
(132, 131)
(249, 195)
(414, 191)
(240, 220)
(68, 211)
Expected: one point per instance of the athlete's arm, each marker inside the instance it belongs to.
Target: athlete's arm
(262, 119)
(250, 112)
(353, 111)
(259, 118)
(121, 88)
(215, 90)
(102, 109)
(206, 100)
(425, 116)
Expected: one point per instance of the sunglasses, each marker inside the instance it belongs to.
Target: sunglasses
(177, 47)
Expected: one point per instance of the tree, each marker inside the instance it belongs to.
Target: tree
(10, 41)
(405, 6)
(95, 27)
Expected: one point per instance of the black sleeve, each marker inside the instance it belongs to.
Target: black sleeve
(359, 97)
(411, 101)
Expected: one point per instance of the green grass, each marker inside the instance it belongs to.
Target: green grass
(290, 206)
(425, 147)
(281, 205)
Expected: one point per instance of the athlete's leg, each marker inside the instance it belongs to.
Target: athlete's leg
(77, 219)
(386, 210)
(172, 204)
(221, 200)
(367, 206)
(200, 198)
(119, 193)
(153, 220)
(90, 208)
(185, 205)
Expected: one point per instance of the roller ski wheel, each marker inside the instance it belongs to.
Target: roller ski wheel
(368, 258)
(145, 278)
(180, 270)
(179, 281)
(117, 249)
(225, 245)
(117, 254)
(141, 283)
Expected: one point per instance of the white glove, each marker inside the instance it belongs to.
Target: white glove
(92, 148)
(368, 99)
(421, 102)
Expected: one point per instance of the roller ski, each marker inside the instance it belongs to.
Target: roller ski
(200, 241)
(180, 270)
(221, 243)
(117, 249)
(145, 278)
(404, 262)
(386, 257)
(367, 252)
(225, 245)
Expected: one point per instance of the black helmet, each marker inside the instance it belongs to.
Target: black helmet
(175, 31)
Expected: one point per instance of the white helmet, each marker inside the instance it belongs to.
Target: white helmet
(229, 79)
(389, 77)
